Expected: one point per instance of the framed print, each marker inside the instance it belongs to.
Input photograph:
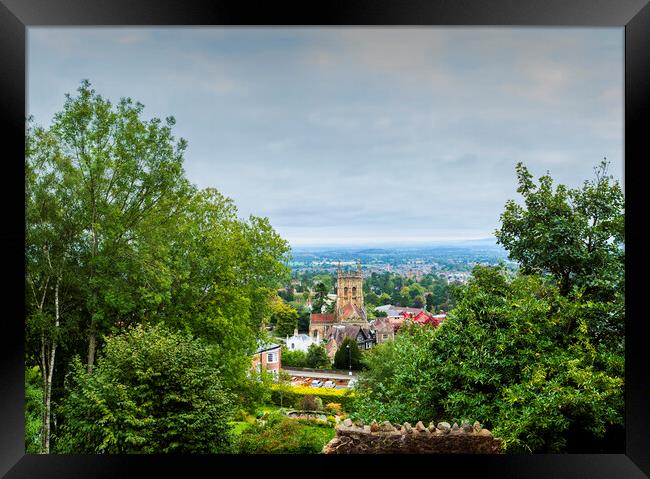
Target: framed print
(325, 235)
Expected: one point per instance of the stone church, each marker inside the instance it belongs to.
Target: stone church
(350, 312)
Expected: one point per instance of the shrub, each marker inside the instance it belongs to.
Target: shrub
(293, 394)
(296, 359)
(334, 408)
(309, 402)
(152, 391)
(285, 436)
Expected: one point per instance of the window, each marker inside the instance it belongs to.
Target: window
(354, 292)
(271, 357)
(345, 292)
(293, 346)
(384, 336)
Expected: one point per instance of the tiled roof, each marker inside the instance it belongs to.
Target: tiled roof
(322, 318)
(350, 310)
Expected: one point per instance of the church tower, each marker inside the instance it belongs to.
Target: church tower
(349, 289)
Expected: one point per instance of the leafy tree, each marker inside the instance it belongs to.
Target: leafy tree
(344, 356)
(576, 235)
(152, 391)
(317, 357)
(320, 295)
(296, 359)
(303, 320)
(285, 318)
(514, 355)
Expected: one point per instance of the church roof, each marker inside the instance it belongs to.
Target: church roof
(351, 310)
(322, 318)
(339, 333)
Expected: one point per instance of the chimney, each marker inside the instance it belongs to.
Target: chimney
(295, 332)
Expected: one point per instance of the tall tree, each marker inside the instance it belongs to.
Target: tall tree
(346, 358)
(576, 235)
(128, 178)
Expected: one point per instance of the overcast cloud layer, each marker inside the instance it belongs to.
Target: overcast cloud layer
(359, 135)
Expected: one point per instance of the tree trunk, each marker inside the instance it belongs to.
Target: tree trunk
(48, 372)
(92, 345)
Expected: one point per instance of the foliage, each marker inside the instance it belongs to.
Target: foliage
(296, 358)
(152, 391)
(116, 236)
(294, 395)
(334, 408)
(285, 318)
(514, 355)
(577, 236)
(317, 357)
(282, 435)
(573, 234)
(346, 358)
(309, 402)
(33, 410)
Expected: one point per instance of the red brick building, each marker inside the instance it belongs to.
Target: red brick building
(269, 357)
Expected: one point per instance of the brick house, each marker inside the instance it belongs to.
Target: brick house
(267, 356)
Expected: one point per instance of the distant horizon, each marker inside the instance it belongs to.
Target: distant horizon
(394, 243)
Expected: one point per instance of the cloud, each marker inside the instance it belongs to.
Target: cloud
(339, 134)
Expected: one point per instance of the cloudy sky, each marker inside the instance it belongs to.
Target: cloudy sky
(359, 135)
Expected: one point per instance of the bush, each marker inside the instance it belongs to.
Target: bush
(281, 435)
(296, 359)
(294, 394)
(309, 402)
(334, 408)
(151, 391)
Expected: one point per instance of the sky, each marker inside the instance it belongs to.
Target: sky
(358, 135)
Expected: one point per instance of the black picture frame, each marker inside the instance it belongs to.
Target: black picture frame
(17, 15)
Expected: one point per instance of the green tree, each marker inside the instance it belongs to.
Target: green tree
(317, 357)
(152, 391)
(344, 356)
(576, 235)
(285, 318)
(296, 359)
(320, 295)
(527, 368)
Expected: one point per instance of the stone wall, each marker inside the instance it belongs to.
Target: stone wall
(386, 438)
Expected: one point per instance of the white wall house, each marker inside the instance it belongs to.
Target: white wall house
(301, 342)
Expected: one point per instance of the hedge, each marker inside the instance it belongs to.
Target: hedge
(293, 395)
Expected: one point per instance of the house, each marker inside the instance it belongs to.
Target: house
(268, 356)
(384, 330)
(301, 342)
(363, 336)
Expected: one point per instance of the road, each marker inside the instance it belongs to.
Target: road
(318, 375)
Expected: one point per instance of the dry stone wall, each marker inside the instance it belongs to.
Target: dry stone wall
(386, 438)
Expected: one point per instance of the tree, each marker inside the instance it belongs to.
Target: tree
(122, 177)
(317, 357)
(283, 385)
(527, 369)
(296, 358)
(285, 318)
(152, 391)
(576, 235)
(344, 356)
(320, 295)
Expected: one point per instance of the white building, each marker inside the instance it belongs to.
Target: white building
(301, 342)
